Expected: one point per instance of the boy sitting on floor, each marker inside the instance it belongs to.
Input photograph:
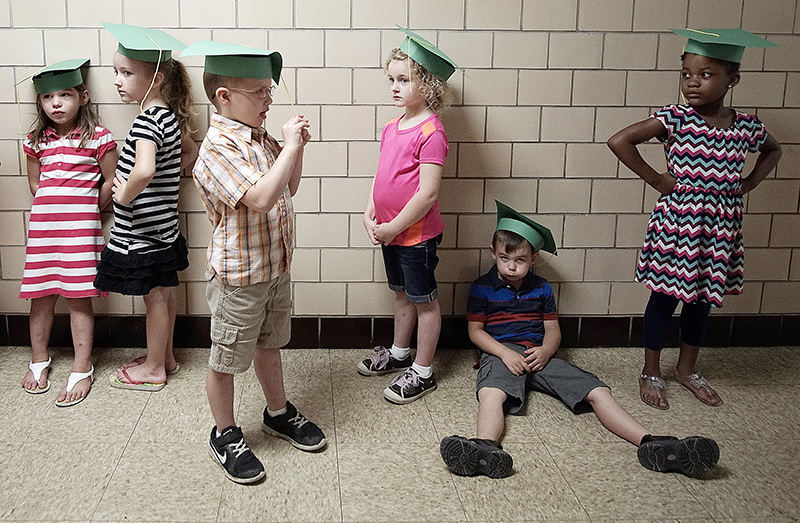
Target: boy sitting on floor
(512, 318)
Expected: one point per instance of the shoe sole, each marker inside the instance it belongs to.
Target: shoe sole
(307, 448)
(464, 458)
(364, 371)
(693, 456)
(392, 397)
(241, 481)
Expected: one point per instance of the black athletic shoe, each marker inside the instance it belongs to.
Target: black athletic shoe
(693, 456)
(409, 386)
(232, 454)
(382, 362)
(294, 428)
(469, 457)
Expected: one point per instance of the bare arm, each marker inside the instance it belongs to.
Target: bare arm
(294, 180)
(144, 169)
(769, 154)
(108, 166)
(623, 145)
(430, 178)
(511, 358)
(538, 357)
(369, 216)
(34, 170)
(189, 149)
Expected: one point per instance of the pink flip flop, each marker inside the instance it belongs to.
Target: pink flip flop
(131, 384)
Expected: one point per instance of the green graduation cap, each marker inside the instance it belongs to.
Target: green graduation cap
(721, 44)
(427, 55)
(238, 61)
(143, 43)
(61, 75)
(539, 236)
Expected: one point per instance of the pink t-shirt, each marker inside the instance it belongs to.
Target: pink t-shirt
(397, 179)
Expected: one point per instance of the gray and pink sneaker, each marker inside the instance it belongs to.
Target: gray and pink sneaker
(382, 362)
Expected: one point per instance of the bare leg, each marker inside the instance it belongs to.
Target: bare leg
(429, 317)
(81, 320)
(267, 364)
(614, 417)
(169, 355)
(159, 325)
(687, 361)
(219, 389)
(491, 421)
(652, 367)
(41, 321)
(405, 316)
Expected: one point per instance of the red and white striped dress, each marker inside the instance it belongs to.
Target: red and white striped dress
(65, 235)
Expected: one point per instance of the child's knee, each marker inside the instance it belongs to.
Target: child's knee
(491, 395)
(598, 394)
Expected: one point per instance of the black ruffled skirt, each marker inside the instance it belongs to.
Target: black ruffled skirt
(137, 274)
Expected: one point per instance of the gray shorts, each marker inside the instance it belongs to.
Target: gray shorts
(245, 318)
(559, 378)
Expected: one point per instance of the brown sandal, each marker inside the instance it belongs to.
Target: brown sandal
(654, 383)
(694, 383)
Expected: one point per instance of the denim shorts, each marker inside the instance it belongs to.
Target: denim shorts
(410, 269)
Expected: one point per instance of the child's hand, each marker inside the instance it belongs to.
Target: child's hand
(118, 190)
(537, 357)
(369, 224)
(384, 233)
(665, 183)
(292, 132)
(515, 362)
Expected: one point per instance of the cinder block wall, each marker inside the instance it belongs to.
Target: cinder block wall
(545, 83)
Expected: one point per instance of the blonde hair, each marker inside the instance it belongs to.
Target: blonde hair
(86, 119)
(212, 82)
(176, 89)
(432, 88)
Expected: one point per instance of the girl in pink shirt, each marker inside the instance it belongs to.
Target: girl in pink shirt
(402, 214)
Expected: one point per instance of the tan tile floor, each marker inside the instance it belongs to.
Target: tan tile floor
(125, 455)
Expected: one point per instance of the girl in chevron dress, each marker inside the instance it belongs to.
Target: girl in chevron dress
(693, 251)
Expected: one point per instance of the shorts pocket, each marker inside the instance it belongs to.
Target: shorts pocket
(223, 334)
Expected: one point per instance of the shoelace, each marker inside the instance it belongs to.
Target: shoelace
(239, 448)
(298, 421)
(409, 377)
(380, 359)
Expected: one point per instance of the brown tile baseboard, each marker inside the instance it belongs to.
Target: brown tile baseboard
(337, 333)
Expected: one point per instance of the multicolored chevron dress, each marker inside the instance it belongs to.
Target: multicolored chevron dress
(693, 249)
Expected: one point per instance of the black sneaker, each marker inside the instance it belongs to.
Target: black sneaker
(382, 362)
(693, 456)
(294, 428)
(409, 386)
(232, 454)
(469, 457)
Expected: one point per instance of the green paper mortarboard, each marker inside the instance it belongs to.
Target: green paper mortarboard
(58, 76)
(539, 236)
(427, 55)
(143, 43)
(237, 61)
(721, 44)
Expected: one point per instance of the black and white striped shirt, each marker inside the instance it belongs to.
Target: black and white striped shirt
(150, 222)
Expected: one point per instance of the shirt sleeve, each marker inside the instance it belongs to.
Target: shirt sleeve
(27, 147)
(434, 148)
(548, 303)
(229, 172)
(476, 305)
(105, 142)
(671, 117)
(146, 127)
(758, 135)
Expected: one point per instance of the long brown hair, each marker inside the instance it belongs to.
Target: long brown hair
(176, 89)
(86, 120)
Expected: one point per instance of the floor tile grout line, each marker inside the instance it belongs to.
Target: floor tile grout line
(571, 488)
(335, 438)
(121, 454)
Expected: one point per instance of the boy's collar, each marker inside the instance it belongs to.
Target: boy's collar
(243, 130)
(497, 283)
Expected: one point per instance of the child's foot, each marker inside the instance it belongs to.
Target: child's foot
(409, 386)
(692, 456)
(232, 454)
(77, 388)
(294, 428)
(468, 457)
(171, 370)
(653, 391)
(35, 380)
(698, 386)
(382, 362)
(137, 377)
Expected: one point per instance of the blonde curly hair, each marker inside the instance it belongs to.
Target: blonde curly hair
(433, 89)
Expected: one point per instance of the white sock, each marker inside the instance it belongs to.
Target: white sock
(273, 413)
(422, 372)
(399, 353)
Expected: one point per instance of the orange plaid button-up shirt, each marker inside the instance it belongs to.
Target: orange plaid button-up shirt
(246, 247)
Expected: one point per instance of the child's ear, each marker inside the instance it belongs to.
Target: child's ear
(222, 95)
(734, 80)
(84, 97)
(159, 79)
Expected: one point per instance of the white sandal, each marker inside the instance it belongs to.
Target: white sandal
(74, 378)
(36, 371)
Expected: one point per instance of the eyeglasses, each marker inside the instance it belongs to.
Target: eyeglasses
(261, 94)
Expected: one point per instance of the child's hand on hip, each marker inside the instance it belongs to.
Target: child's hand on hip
(384, 233)
(665, 183)
(537, 357)
(292, 132)
(515, 362)
(118, 190)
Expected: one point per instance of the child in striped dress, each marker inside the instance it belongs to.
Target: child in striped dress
(70, 162)
(693, 251)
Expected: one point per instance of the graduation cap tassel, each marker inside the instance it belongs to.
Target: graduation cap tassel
(153, 81)
(294, 109)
